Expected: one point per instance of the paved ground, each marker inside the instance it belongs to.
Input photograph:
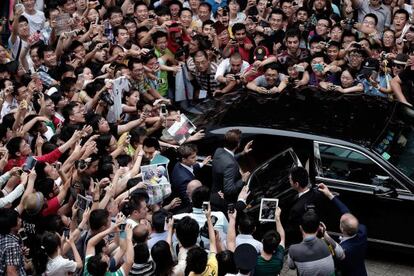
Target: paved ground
(378, 266)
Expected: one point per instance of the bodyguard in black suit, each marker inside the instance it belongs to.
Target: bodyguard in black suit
(226, 172)
(354, 240)
(184, 171)
(306, 199)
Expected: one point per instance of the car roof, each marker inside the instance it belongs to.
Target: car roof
(356, 118)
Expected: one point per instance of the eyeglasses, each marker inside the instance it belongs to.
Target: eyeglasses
(355, 56)
(369, 22)
(398, 66)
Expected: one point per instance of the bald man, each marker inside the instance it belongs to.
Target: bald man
(354, 240)
(192, 185)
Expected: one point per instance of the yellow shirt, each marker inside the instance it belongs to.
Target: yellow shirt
(211, 268)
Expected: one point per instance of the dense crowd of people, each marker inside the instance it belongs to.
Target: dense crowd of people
(89, 91)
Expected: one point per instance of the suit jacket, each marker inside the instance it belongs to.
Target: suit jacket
(312, 199)
(226, 178)
(180, 178)
(355, 247)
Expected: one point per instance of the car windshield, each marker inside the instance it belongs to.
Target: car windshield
(396, 144)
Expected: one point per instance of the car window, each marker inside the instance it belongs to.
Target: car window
(272, 178)
(349, 165)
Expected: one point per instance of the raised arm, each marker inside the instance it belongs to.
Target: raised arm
(211, 233)
(231, 233)
(90, 248)
(279, 227)
(343, 209)
(29, 179)
(129, 253)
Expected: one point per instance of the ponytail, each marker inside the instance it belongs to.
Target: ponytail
(50, 243)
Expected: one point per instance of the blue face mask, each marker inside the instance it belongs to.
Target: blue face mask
(318, 67)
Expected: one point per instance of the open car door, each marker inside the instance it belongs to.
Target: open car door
(271, 180)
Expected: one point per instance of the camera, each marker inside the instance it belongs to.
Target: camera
(236, 77)
(349, 24)
(106, 97)
(152, 16)
(81, 164)
(230, 208)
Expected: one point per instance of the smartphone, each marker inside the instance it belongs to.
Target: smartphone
(205, 206)
(152, 16)
(167, 220)
(83, 202)
(163, 110)
(29, 164)
(230, 208)
(236, 77)
(122, 227)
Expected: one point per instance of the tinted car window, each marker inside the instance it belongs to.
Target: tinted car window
(346, 164)
(271, 180)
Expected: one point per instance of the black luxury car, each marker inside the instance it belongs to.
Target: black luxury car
(362, 147)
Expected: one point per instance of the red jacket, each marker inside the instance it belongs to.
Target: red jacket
(50, 157)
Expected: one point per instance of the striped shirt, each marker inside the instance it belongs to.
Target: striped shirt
(312, 257)
(203, 79)
(147, 269)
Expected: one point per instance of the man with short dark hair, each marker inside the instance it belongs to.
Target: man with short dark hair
(187, 232)
(11, 262)
(226, 171)
(185, 170)
(376, 7)
(307, 198)
(202, 74)
(158, 230)
(313, 255)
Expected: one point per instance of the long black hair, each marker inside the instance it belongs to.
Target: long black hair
(161, 254)
(49, 244)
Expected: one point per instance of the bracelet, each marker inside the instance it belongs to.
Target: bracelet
(96, 200)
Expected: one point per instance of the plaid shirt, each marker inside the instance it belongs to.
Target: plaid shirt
(203, 79)
(11, 254)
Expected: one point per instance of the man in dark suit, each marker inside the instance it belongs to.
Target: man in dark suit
(184, 171)
(354, 240)
(227, 180)
(306, 199)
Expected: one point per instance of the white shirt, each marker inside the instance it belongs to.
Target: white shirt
(191, 169)
(225, 67)
(132, 222)
(229, 151)
(36, 21)
(242, 239)
(60, 266)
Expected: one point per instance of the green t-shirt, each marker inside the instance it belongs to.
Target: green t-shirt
(272, 266)
(119, 272)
